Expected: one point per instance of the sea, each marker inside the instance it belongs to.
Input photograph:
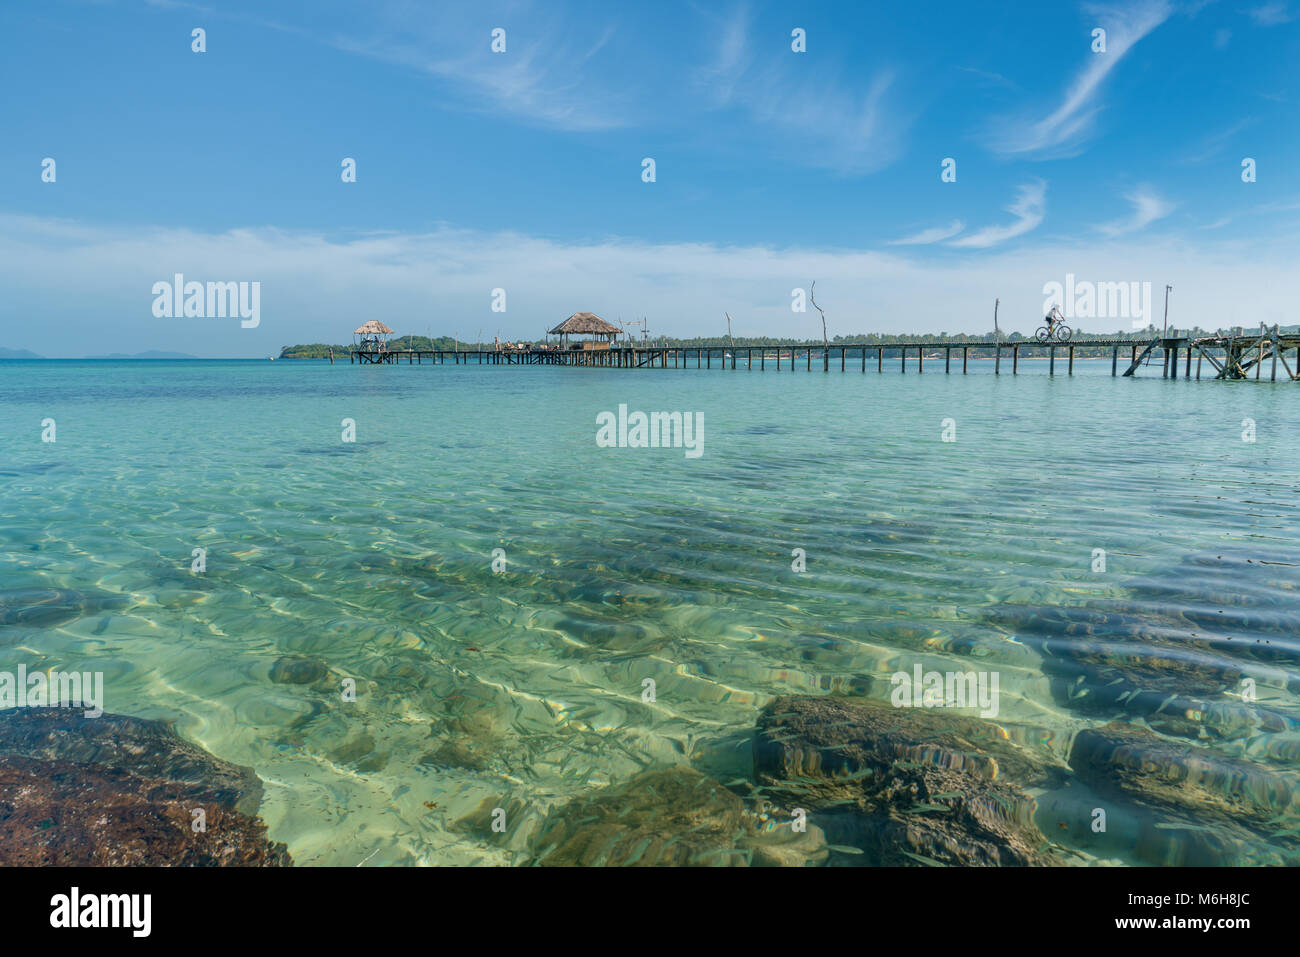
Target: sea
(404, 594)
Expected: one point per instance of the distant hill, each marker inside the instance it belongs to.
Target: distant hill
(18, 354)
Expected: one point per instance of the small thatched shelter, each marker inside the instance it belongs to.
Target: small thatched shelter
(373, 336)
(586, 324)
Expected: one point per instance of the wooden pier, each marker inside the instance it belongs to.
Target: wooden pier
(1233, 356)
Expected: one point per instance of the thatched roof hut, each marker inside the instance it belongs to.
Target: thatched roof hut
(372, 336)
(587, 324)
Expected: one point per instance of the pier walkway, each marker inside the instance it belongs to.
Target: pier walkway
(1233, 356)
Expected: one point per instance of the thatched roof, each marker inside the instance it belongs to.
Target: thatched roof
(584, 323)
(372, 328)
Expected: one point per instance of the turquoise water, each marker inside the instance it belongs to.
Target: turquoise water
(477, 688)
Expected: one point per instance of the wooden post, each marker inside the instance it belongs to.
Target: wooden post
(1051, 360)
(1187, 372)
(880, 359)
(1070, 368)
(762, 361)
(1199, 356)
(1015, 359)
(997, 358)
(1114, 359)
(843, 349)
(808, 356)
(947, 359)
(903, 353)
(864, 358)
(1273, 376)
(964, 356)
(920, 359)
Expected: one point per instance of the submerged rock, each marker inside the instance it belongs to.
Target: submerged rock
(146, 748)
(1135, 764)
(671, 817)
(360, 752)
(674, 816)
(1131, 661)
(298, 670)
(47, 607)
(906, 786)
(1154, 836)
(471, 727)
(119, 790)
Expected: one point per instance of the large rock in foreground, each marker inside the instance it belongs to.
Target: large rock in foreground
(117, 790)
(906, 786)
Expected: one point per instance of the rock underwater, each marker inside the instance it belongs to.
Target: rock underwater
(118, 790)
(904, 786)
(669, 817)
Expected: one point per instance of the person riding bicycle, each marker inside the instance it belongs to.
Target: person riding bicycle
(1052, 318)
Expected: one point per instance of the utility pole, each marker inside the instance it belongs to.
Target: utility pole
(1166, 331)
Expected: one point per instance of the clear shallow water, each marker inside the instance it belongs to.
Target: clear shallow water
(623, 564)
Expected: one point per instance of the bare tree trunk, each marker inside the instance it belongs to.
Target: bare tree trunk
(812, 296)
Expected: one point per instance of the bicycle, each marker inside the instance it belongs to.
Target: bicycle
(1056, 330)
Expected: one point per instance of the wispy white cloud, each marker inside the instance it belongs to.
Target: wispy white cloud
(836, 126)
(543, 80)
(1214, 144)
(935, 234)
(1029, 208)
(1271, 14)
(1147, 208)
(988, 78)
(546, 78)
(1063, 130)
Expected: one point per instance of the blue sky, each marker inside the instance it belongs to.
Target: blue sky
(522, 170)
